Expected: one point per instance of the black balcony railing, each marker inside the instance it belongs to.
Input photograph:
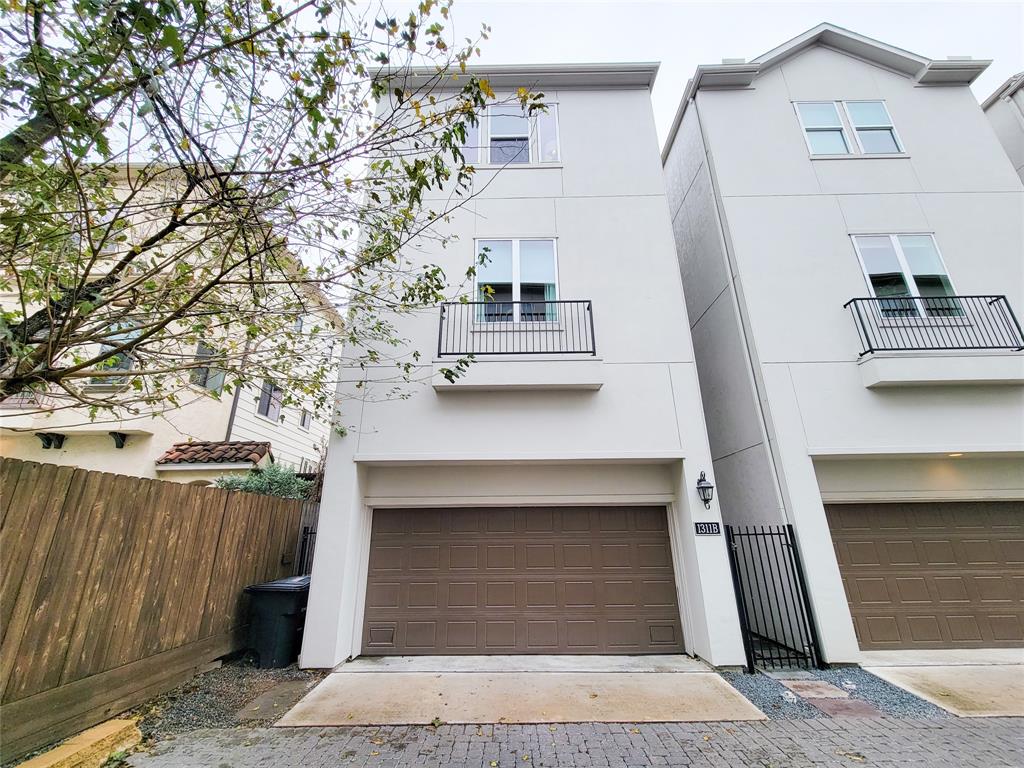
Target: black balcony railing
(516, 328)
(905, 323)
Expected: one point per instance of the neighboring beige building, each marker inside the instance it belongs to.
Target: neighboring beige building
(32, 429)
(1005, 111)
(851, 239)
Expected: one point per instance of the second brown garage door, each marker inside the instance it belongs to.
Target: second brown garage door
(521, 580)
(933, 575)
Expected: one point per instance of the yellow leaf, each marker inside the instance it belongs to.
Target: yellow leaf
(634, 730)
(185, 143)
(374, 753)
(485, 86)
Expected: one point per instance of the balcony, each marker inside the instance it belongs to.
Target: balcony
(518, 345)
(516, 328)
(920, 340)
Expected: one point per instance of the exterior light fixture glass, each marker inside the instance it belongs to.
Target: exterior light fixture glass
(705, 490)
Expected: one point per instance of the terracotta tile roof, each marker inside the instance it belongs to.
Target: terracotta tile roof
(221, 452)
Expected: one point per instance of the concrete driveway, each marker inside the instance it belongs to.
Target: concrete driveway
(520, 689)
(968, 683)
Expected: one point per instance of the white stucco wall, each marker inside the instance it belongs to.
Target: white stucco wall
(1006, 116)
(640, 438)
(788, 220)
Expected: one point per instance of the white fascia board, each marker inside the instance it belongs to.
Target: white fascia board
(1009, 87)
(588, 75)
(205, 466)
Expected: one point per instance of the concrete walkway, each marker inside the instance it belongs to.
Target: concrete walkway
(675, 662)
(394, 698)
(877, 742)
(968, 683)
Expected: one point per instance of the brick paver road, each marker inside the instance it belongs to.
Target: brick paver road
(876, 742)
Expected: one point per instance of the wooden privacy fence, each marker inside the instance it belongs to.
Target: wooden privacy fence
(114, 589)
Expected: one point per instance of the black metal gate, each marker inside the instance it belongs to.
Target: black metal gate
(771, 594)
(307, 544)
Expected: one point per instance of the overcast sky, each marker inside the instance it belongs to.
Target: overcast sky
(682, 35)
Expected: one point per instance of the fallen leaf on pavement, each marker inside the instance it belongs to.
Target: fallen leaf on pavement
(634, 730)
(374, 753)
(377, 741)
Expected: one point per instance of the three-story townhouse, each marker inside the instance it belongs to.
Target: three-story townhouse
(851, 241)
(545, 502)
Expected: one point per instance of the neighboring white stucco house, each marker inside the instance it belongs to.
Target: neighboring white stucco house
(889, 431)
(1005, 111)
(545, 502)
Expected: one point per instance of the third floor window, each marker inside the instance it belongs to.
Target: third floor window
(517, 280)
(848, 127)
(507, 135)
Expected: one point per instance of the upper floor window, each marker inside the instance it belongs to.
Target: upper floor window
(207, 376)
(517, 280)
(829, 125)
(507, 135)
(305, 419)
(908, 267)
(271, 399)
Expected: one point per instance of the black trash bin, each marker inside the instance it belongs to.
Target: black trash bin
(278, 612)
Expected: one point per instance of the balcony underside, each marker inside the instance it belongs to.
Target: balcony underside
(522, 373)
(934, 368)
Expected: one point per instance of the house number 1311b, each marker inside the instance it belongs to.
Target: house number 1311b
(708, 529)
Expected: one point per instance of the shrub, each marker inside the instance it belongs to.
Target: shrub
(273, 480)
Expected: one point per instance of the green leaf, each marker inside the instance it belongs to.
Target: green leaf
(169, 39)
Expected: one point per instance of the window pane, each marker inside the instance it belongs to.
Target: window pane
(819, 115)
(889, 284)
(497, 261)
(867, 113)
(510, 151)
(878, 254)
(922, 257)
(509, 121)
(547, 130)
(827, 142)
(470, 148)
(537, 261)
(877, 141)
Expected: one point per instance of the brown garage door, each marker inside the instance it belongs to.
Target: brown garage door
(521, 580)
(933, 575)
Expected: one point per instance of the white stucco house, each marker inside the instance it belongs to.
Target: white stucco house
(546, 501)
(850, 235)
(1004, 109)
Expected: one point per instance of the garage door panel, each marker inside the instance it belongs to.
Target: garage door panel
(934, 575)
(524, 580)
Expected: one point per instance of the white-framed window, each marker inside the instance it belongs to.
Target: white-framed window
(507, 135)
(305, 419)
(270, 402)
(861, 127)
(908, 272)
(207, 376)
(516, 280)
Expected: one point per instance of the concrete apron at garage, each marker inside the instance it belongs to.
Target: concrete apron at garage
(415, 690)
(966, 682)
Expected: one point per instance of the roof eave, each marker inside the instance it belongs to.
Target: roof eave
(1009, 87)
(594, 75)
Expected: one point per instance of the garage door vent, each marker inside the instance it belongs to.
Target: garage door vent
(771, 595)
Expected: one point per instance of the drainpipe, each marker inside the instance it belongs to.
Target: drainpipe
(234, 400)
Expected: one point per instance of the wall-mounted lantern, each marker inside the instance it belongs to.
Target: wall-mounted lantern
(705, 490)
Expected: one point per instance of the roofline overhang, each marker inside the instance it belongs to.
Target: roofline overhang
(1009, 87)
(595, 75)
(923, 71)
(206, 465)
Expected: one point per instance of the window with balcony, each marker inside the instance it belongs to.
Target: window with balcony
(904, 268)
(913, 305)
(507, 135)
(516, 280)
(848, 128)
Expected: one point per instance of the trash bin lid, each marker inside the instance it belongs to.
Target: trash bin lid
(289, 584)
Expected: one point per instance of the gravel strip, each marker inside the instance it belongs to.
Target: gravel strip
(772, 697)
(883, 696)
(212, 699)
